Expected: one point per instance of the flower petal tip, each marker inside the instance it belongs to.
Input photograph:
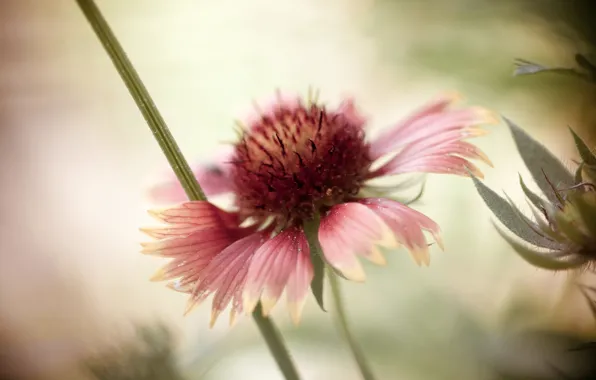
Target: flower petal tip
(475, 172)
(376, 257)
(214, 315)
(454, 96)
(148, 231)
(249, 303)
(355, 274)
(421, 256)
(268, 303)
(190, 306)
(156, 214)
(487, 116)
(147, 248)
(295, 312)
(476, 132)
(439, 241)
(160, 275)
(233, 319)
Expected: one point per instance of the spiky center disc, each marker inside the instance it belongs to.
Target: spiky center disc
(296, 160)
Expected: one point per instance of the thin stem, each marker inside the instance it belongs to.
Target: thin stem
(363, 366)
(275, 343)
(177, 161)
(141, 96)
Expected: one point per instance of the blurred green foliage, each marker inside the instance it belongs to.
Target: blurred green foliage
(149, 356)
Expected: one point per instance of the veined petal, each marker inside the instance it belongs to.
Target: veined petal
(196, 232)
(348, 230)
(428, 143)
(200, 214)
(214, 178)
(407, 224)
(386, 142)
(298, 285)
(200, 242)
(440, 164)
(271, 268)
(225, 274)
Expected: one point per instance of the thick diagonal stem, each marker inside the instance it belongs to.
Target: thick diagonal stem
(175, 158)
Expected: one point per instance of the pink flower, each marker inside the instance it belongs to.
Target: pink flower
(295, 161)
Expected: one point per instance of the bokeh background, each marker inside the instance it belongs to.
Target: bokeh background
(76, 160)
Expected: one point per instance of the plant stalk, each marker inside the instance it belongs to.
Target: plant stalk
(176, 160)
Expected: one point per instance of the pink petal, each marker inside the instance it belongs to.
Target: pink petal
(298, 285)
(225, 275)
(214, 179)
(349, 111)
(195, 233)
(271, 268)
(433, 164)
(200, 214)
(433, 144)
(407, 225)
(348, 230)
(384, 143)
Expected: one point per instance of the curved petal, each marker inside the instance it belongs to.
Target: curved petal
(348, 230)
(386, 142)
(407, 224)
(271, 268)
(225, 275)
(432, 141)
(298, 286)
(213, 177)
(195, 233)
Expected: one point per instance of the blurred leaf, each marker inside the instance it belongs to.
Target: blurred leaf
(311, 230)
(540, 259)
(589, 299)
(578, 173)
(541, 163)
(318, 281)
(535, 199)
(529, 68)
(510, 216)
(585, 152)
(587, 210)
(148, 357)
(584, 63)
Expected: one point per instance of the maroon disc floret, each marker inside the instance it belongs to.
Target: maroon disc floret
(296, 160)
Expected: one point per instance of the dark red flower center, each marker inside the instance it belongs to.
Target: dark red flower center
(296, 160)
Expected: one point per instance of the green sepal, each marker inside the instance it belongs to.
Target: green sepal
(540, 259)
(542, 164)
(311, 230)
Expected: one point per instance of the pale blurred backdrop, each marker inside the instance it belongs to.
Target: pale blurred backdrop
(77, 158)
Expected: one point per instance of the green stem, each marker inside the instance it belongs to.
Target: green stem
(175, 158)
(276, 345)
(363, 366)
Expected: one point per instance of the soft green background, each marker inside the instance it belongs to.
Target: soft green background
(78, 158)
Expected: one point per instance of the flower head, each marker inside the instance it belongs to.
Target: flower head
(294, 162)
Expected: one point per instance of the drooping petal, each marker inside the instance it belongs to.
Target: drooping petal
(349, 230)
(298, 286)
(214, 178)
(386, 142)
(432, 142)
(195, 233)
(225, 274)
(271, 268)
(407, 224)
(200, 214)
